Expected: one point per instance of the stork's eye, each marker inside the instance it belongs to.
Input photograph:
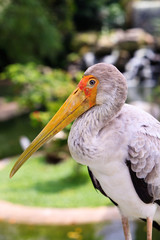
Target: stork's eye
(92, 82)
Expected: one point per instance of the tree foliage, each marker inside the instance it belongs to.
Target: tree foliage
(35, 86)
(30, 31)
(41, 31)
(94, 15)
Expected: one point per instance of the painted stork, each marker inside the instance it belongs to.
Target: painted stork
(118, 142)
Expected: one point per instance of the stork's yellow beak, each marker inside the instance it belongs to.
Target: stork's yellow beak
(75, 105)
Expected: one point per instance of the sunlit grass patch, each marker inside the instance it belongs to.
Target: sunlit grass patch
(46, 185)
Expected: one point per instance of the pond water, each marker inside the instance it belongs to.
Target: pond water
(10, 133)
(98, 231)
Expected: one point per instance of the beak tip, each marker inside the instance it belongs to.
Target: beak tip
(11, 174)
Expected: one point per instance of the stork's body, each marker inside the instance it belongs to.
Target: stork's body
(105, 150)
(119, 143)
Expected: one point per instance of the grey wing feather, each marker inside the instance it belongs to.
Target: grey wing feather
(144, 156)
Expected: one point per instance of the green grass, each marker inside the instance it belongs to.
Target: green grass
(41, 184)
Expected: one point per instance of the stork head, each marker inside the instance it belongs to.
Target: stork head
(112, 87)
(101, 84)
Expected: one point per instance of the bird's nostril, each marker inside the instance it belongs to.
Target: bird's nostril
(75, 91)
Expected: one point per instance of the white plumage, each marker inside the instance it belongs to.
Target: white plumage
(106, 151)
